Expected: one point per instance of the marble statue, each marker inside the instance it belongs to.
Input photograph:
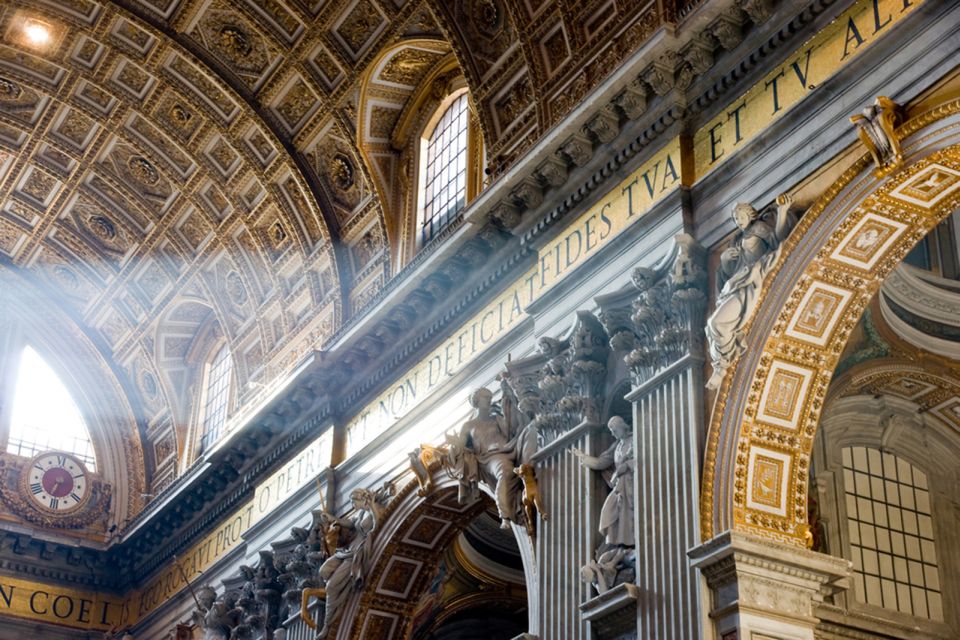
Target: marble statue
(610, 568)
(619, 465)
(743, 267)
(487, 448)
(342, 573)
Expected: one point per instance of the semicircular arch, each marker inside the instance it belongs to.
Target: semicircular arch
(105, 399)
(768, 406)
(408, 549)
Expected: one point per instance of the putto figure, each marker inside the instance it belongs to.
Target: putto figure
(743, 267)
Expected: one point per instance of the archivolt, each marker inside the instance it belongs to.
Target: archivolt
(408, 549)
(768, 408)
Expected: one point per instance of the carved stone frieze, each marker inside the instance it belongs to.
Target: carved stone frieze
(632, 100)
(529, 192)
(605, 125)
(553, 170)
(728, 30)
(758, 10)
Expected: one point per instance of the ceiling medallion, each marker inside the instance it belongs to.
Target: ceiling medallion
(235, 289)
(102, 227)
(277, 234)
(143, 171)
(487, 15)
(9, 90)
(148, 384)
(341, 170)
(235, 41)
(180, 114)
(67, 277)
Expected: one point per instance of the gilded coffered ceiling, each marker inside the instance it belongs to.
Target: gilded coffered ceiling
(173, 171)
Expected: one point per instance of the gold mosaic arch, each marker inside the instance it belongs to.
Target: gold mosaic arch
(768, 407)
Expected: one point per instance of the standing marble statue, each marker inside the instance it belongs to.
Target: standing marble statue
(618, 465)
(342, 573)
(743, 267)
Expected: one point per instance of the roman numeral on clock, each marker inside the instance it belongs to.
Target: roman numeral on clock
(54, 502)
(36, 488)
(75, 497)
(61, 460)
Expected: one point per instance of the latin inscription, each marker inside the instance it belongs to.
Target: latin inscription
(819, 59)
(583, 239)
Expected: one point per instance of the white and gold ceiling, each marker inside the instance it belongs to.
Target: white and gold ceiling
(182, 171)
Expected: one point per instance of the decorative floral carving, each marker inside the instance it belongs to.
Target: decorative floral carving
(408, 66)
(666, 306)
(9, 90)
(234, 41)
(360, 25)
(235, 288)
(341, 171)
(143, 170)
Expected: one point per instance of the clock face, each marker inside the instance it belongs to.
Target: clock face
(57, 482)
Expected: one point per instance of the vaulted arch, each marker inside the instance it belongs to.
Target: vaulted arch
(103, 394)
(768, 406)
(409, 548)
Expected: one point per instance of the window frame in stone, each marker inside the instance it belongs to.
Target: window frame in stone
(876, 487)
(215, 400)
(430, 223)
(31, 442)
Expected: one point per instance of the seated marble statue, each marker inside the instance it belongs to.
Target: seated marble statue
(487, 448)
(743, 267)
(488, 452)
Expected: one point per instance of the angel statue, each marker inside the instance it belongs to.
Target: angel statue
(743, 267)
(488, 447)
(618, 465)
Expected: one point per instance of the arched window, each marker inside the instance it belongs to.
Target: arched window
(890, 523)
(216, 399)
(45, 417)
(444, 168)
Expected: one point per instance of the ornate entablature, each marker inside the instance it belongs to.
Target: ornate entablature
(545, 401)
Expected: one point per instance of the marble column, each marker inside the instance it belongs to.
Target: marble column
(656, 328)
